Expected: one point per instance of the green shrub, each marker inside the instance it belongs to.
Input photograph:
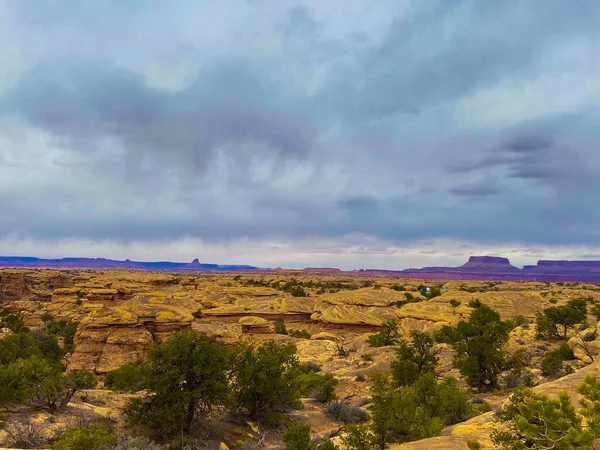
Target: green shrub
(280, 327)
(519, 320)
(414, 359)
(131, 377)
(528, 380)
(327, 444)
(558, 321)
(12, 321)
(366, 357)
(388, 335)
(310, 366)
(478, 344)
(552, 364)
(301, 334)
(263, 378)
(319, 387)
(297, 437)
(93, 438)
(187, 375)
(473, 444)
(538, 421)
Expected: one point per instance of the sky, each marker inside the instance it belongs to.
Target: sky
(355, 134)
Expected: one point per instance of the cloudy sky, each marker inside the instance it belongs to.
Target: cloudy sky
(352, 133)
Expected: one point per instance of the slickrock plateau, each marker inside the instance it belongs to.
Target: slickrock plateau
(329, 316)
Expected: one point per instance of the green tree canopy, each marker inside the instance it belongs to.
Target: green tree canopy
(414, 359)
(187, 376)
(478, 344)
(539, 422)
(558, 321)
(388, 335)
(264, 379)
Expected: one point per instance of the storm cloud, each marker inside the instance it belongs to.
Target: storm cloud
(151, 124)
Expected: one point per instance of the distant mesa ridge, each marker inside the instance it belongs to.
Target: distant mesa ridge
(103, 263)
(484, 268)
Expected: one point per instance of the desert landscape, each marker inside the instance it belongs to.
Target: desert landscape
(347, 327)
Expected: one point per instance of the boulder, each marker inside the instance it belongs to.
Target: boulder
(255, 325)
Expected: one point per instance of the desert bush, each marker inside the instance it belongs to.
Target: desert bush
(93, 438)
(131, 377)
(301, 334)
(473, 444)
(455, 303)
(310, 366)
(251, 444)
(12, 321)
(280, 327)
(297, 437)
(528, 380)
(358, 437)
(388, 335)
(538, 421)
(414, 358)
(519, 320)
(137, 443)
(360, 378)
(317, 386)
(184, 442)
(342, 412)
(327, 444)
(366, 357)
(341, 350)
(26, 434)
(552, 365)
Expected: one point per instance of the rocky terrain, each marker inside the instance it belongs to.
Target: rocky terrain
(121, 313)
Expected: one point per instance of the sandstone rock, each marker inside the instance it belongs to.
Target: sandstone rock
(364, 297)
(324, 335)
(255, 325)
(252, 321)
(354, 315)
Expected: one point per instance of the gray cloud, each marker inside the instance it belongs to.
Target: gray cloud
(474, 191)
(243, 120)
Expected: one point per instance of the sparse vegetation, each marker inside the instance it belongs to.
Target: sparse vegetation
(388, 335)
(96, 437)
(538, 421)
(344, 413)
(241, 388)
